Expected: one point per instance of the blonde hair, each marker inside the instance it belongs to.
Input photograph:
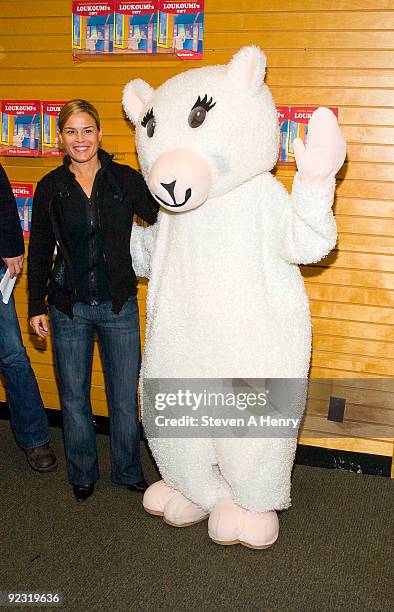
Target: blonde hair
(77, 106)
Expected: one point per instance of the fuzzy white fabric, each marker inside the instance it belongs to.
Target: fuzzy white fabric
(226, 298)
(141, 245)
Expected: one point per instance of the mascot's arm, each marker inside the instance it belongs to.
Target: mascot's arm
(141, 246)
(310, 228)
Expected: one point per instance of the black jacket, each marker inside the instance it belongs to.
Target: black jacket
(122, 193)
(11, 235)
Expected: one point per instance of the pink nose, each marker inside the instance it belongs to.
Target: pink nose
(180, 180)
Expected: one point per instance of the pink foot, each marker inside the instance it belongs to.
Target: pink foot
(156, 496)
(230, 524)
(181, 512)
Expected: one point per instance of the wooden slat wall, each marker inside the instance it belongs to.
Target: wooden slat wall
(319, 53)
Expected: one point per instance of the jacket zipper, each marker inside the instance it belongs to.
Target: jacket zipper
(93, 224)
(104, 255)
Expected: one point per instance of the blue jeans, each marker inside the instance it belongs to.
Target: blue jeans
(119, 338)
(28, 418)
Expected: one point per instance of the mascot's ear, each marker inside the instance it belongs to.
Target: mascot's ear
(135, 95)
(247, 68)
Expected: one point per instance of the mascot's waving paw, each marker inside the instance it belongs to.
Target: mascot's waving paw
(162, 500)
(230, 524)
(325, 150)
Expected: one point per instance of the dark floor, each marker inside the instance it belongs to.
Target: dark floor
(333, 554)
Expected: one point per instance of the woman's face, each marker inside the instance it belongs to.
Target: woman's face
(80, 137)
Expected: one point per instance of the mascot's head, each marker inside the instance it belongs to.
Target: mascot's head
(204, 131)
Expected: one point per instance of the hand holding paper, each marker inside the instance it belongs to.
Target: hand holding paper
(6, 286)
(14, 265)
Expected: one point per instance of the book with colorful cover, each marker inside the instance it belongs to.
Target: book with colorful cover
(181, 28)
(135, 26)
(23, 193)
(92, 27)
(50, 124)
(20, 128)
(283, 118)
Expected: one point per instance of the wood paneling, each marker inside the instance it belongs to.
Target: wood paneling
(318, 53)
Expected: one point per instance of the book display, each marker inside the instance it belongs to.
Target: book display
(29, 128)
(154, 27)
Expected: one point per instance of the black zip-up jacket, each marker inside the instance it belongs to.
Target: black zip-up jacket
(122, 193)
(11, 235)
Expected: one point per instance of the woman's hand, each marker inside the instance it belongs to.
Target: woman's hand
(39, 325)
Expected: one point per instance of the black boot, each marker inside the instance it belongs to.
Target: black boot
(138, 487)
(82, 492)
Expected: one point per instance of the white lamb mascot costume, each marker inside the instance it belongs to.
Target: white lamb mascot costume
(226, 298)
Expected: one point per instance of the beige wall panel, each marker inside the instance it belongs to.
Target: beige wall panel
(276, 77)
(352, 329)
(357, 445)
(356, 429)
(288, 22)
(371, 244)
(277, 58)
(296, 6)
(354, 346)
(351, 295)
(354, 277)
(357, 414)
(354, 363)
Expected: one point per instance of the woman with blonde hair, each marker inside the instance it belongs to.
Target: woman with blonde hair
(85, 208)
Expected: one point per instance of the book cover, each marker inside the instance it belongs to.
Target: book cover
(135, 26)
(49, 125)
(92, 27)
(23, 193)
(181, 28)
(20, 128)
(283, 118)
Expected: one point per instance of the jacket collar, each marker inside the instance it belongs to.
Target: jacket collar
(104, 157)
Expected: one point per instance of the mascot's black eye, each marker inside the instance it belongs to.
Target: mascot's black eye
(199, 111)
(149, 122)
(150, 127)
(197, 116)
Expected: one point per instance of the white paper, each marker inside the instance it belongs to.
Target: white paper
(6, 286)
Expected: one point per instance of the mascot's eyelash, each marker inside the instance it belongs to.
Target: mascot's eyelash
(205, 103)
(148, 115)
